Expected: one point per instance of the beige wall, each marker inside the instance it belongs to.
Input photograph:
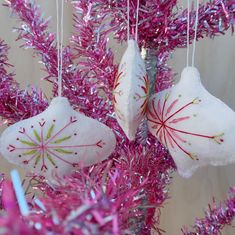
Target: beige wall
(215, 59)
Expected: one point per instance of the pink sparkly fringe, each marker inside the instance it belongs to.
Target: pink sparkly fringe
(216, 217)
(119, 196)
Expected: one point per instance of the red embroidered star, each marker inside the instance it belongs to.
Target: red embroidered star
(163, 118)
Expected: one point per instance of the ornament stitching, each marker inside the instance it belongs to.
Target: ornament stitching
(162, 119)
(47, 145)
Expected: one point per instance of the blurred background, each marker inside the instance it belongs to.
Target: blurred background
(215, 60)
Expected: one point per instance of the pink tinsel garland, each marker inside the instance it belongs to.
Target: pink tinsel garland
(120, 195)
(116, 197)
(16, 104)
(216, 217)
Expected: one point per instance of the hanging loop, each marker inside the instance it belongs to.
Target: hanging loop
(137, 20)
(128, 20)
(60, 39)
(195, 33)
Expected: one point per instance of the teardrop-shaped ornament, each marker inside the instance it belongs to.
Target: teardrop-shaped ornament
(131, 90)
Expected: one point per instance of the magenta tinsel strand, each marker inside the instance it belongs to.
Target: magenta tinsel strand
(164, 74)
(116, 197)
(216, 217)
(16, 104)
(214, 19)
(120, 195)
(79, 87)
(159, 27)
(34, 33)
(155, 193)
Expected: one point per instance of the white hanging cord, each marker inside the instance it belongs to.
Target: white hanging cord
(137, 20)
(128, 20)
(61, 46)
(188, 19)
(57, 37)
(195, 33)
(60, 39)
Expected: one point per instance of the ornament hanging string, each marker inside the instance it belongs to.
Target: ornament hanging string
(188, 25)
(128, 20)
(137, 20)
(60, 39)
(195, 33)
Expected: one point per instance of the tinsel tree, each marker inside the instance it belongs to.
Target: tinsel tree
(125, 194)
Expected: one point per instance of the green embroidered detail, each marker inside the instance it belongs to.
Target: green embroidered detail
(63, 151)
(50, 132)
(37, 159)
(50, 159)
(61, 140)
(37, 135)
(28, 143)
(31, 152)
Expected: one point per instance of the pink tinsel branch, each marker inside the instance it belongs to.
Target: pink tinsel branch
(165, 75)
(96, 63)
(117, 197)
(216, 218)
(34, 32)
(81, 87)
(90, 42)
(160, 28)
(16, 104)
(120, 195)
(214, 19)
(91, 89)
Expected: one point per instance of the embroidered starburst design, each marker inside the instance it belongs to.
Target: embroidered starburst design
(144, 87)
(162, 115)
(48, 144)
(119, 92)
(116, 90)
(144, 98)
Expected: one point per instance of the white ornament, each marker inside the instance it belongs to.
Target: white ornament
(131, 89)
(57, 140)
(196, 127)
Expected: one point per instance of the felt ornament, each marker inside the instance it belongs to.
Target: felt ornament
(197, 128)
(57, 140)
(131, 85)
(131, 89)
